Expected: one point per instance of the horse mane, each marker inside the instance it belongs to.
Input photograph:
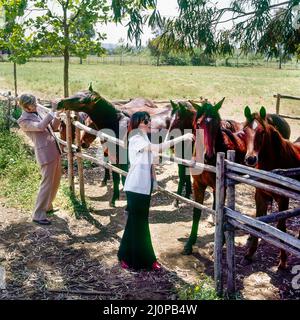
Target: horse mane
(288, 151)
(232, 141)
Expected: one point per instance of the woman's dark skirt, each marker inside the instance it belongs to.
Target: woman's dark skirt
(136, 246)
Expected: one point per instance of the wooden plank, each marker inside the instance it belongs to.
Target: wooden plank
(266, 237)
(189, 163)
(101, 135)
(287, 172)
(230, 235)
(70, 153)
(264, 175)
(124, 173)
(270, 230)
(187, 201)
(266, 187)
(289, 117)
(284, 96)
(219, 231)
(275, 216)
(278, 103)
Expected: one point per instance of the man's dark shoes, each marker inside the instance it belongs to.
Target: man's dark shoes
(43, 222)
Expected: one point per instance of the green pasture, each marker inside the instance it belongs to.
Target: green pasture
(253, 86)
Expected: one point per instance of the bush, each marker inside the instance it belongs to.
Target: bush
(173, 60)
(202, 60)
(18, 171)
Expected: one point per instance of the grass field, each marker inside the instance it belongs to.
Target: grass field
(240, 86)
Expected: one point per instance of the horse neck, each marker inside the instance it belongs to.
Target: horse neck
(220, 145)
(277, 152)
(105, 115)
(188, 122)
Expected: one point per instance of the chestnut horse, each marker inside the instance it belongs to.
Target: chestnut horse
(268, 150)
(218, 137)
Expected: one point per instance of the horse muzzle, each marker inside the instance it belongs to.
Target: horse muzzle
(251, 161)
(85, 145)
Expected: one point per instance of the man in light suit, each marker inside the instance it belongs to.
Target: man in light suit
(39, 126)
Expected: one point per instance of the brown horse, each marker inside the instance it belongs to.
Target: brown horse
(129, 108)
(105, 116)
(160, 117)
(218, 137)
(268, 150)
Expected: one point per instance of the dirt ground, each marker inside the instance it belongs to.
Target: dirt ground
(79, 252)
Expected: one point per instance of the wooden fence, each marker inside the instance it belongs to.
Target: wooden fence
(279, 97)
(227, 219)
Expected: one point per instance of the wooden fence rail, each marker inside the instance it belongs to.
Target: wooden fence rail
(278, 102)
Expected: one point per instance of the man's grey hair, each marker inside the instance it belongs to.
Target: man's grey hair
(26, 100)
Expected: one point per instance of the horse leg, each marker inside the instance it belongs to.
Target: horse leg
(262, 201)
(181, 173)
(106, 177)
(123, 167)
(188, 186)
(283, 205)
(116, 191)
(199, 191)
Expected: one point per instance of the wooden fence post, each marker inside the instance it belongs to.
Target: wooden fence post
(8, 111)
(278, 103)
(219, 231)
(80, 163)
(70, 153)
(230, 233)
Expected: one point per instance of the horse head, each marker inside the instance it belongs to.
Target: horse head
(208, 119)
(84, 101)
(254, 135)
(182, 115)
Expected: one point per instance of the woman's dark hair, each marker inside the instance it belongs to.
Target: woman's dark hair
(136, 119)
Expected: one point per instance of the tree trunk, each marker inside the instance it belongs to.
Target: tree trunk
(280, 62)
(66, 55)
(66, 70)
(158, 60)
(15, 79)
(66, 93)
(80, 60)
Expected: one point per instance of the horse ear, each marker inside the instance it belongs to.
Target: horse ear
(219, 104)
(247, 113)
(174, 106)
(91, 87)
(263, 113)
(196, 106)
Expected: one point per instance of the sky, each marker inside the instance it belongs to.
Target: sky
(116, 32)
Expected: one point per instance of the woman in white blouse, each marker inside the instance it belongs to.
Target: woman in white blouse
(136, 250)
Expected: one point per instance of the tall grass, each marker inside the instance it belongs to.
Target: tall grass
(123, 82)
(18, 172)
(241, 86)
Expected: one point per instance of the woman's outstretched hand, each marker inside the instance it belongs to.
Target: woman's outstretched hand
(188, 137)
